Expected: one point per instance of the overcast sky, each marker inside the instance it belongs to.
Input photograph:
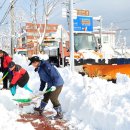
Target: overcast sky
(112, 11)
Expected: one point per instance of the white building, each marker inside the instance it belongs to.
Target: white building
(108, 37)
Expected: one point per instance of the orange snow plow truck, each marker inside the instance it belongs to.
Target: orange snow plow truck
(90, 61)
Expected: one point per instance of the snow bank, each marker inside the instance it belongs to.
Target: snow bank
(88, 103)
(9, 113)
(95, 104)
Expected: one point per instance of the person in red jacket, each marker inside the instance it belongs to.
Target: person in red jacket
(18, 76)
(5, 60)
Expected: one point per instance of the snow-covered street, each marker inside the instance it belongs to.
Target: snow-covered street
(64, 65)
(88, 104)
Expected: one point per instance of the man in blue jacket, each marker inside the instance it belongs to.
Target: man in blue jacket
(50, 75)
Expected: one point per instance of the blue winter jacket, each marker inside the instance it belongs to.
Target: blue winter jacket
(49, 74)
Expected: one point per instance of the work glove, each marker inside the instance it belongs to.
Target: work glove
(50, 89)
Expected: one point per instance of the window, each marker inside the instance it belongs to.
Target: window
(84, 41)
(105, 39)
(51, 43)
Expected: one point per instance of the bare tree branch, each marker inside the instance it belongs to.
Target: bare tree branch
(49, 6)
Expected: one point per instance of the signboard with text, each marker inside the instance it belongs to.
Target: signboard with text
(82, 12)
(83, 23)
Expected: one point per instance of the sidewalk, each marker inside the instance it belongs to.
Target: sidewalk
(42, 123)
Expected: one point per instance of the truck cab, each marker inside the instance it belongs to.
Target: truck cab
(86, 49)
(51, 48)
(84, 41)
(60, 52)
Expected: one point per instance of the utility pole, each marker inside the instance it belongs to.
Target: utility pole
(71, 37)
(12, 27)
(62, 47)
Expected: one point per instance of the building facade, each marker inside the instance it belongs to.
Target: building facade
(32, 34)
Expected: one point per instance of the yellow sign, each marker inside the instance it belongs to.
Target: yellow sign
(86, 22)
(83, 12)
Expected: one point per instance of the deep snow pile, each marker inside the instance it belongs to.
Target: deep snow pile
(89, 104)
(9, 113)
(95, 104)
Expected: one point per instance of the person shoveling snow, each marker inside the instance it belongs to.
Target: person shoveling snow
(18, 76)
(50, 75)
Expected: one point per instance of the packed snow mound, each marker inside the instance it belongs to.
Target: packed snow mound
(107, 51)
(96, 104)
(88, 103)
(9, 113)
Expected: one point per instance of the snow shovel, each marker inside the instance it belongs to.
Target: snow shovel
(3, 77)
(53, 88)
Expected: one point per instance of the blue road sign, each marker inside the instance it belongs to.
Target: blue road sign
(83, 23)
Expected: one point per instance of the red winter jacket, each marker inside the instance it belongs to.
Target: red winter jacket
(18, 72)
(5, 60)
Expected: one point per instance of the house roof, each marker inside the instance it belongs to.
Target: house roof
(32, 27)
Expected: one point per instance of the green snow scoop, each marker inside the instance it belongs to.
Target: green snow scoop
(53, 88)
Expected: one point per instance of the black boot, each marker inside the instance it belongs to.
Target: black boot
(40, 109)
(59, 112)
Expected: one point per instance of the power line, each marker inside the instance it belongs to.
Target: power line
(2, 4)
(7, 12)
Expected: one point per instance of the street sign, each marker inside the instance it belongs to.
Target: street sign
(82, 12)
(74, 14)
(65, 13)
(83, 23)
